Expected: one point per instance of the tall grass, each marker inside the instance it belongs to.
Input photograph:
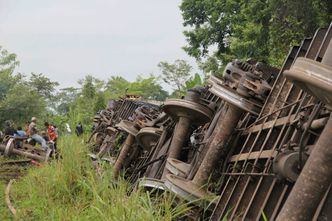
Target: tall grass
(70, 189)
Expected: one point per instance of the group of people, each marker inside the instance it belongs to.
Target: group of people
(32, 132)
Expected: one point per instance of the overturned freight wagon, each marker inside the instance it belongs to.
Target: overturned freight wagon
(281, 164)
(254, 142)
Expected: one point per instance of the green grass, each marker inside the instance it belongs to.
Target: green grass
(70, 189)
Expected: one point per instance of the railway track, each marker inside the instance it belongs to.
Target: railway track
(12, 169)
(9, 171)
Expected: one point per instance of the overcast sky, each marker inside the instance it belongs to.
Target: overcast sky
(67, 39)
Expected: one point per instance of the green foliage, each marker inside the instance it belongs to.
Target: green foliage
(64, 99)
(88, 87)
(193, 81)
(80, 105)
(190, 83)
(100, 102)
(22, 98)
(116, 87)
(82, 108)
(43, 85)
(211, 65)
(291, 21)
(20, 107)
(70, 189)
(147, 87)
(19, 98)
(8, 63)
(264, 216)
(175, 74)
(259, 29)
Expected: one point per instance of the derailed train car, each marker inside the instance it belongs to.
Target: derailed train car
(252, 144)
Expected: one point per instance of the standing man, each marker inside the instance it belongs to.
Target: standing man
(52, 136)
(79, 129)
(33, 132)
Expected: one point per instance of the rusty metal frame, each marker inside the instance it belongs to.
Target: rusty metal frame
(253, 189)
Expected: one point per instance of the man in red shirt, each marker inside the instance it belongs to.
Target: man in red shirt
(52, 136)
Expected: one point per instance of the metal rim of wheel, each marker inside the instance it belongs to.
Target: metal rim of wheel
(198, 113)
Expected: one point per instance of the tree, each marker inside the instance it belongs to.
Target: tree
(20, 104)
(175, 74)
(65, 98)
(291, 21)
(116, 87)
(82, 109)
(88, 87)
(18, 101)
(43, 85)
(196, 80)
(211, 65)
(147, 87)
(193, 81)
(8, 63)
(259, 29)
(99, 103)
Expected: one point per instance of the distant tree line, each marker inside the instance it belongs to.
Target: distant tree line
(22, 97)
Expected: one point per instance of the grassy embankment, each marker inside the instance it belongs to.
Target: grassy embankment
(70, 189)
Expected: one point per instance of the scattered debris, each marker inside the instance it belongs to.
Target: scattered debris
(7, 197)
(24, 147)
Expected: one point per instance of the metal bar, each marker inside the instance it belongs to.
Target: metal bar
(318, 167)
(269, 160)
(290, 87)
(287, 63)
(321, 204)
(317, 43)
(123, 154)
(266, 198)
(278, 205)
(314, 42)
(180, 132)
(154, 152)
(269, 124)
(223, 132)
(323, 47)
(276, 142)
(250, 174)
(220, 213)
(254, 155)
(244, 168)
(208, 137)
(224, 205)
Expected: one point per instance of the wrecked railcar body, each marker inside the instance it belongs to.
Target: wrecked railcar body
(252, 144)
